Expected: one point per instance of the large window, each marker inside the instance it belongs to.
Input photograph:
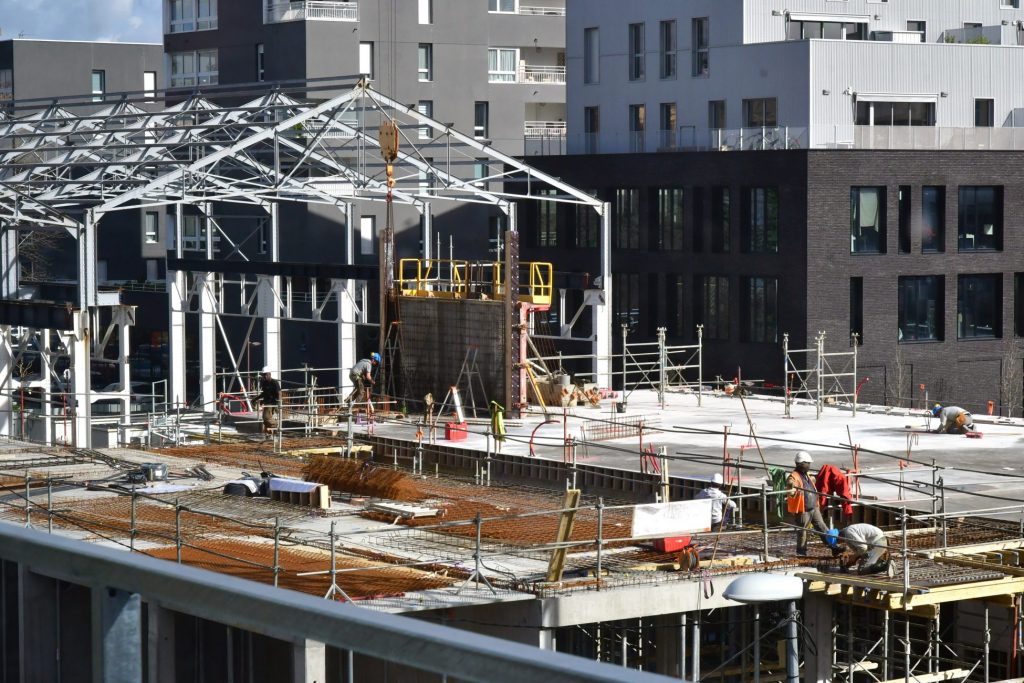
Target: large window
(637, 55)
(502, 63)
(712, 306)
(588, 226)
(857, 308)
(760, 113)
(591, 128)
(921, 308)
(721, 215)
(979, 307)
(667, 47)
(829, 30)
(591, 55)
(481, 120)
(984, 113)
(425, 62)
(151, 227)
(99, 85)
(933, 218)
(627, 218)
(701, 52)
(895, 113)
(191, 15)
(366, 59)
(904, 218)
(626, 296)
(426, 108)
(981, 218)
(867, 220)
(674, 305)
(193, 68)
(502, 5)
(637, 127)
(547, 221)
(761, 310)
(426, 12)
(698, 219)
(716, 114)
(667, 123)
(149, 84)
(670, 219)
(761, 219)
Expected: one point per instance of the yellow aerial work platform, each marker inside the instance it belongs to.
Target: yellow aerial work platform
(453, 279)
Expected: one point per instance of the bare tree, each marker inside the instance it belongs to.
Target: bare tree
(1011, 379)
(898, 380)
(36, 251)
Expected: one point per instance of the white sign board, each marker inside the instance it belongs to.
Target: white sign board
(661, 520)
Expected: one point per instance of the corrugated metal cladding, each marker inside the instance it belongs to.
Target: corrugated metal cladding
(436, 335)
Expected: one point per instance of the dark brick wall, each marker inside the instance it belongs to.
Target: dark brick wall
(966, 371)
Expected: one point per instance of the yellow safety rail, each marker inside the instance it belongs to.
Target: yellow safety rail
(450, 279)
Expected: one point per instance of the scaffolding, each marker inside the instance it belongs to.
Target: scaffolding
(820, 376)
(661, 367)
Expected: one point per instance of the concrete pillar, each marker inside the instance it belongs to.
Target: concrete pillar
(6, 381)
(39, 627)
(87, 297)
(547, 639)
(9, 266)
(124, 317)
(176, 318)
(667, 642)
(347, 305)
(602, 346)
(160, 644)
(267, 300)
(116, 636)
(207, 341)
(428, 230)
(817, 619)
(81, 381)
(309, 662)
(46, 363)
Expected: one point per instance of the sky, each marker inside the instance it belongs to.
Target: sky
(111, 20)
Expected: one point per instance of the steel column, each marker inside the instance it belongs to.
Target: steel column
(267, 296)
(81, 388)
(602, 332)
(116, 636)
(347, 305)
(177, 301)
(207, 323)
(9, 266)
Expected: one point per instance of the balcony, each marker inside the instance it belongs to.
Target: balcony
(541, 74)
(536, 11)
(311, 10)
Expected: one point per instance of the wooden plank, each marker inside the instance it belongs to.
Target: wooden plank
(1014, 544)
(979, 564)
(948, 675)
(971, 591)
(565, 523)
(859, 582)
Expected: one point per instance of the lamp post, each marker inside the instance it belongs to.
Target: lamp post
(754, 589)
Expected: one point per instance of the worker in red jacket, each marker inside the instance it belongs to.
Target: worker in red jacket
(832, 482)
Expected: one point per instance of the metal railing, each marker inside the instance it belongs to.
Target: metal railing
(541, 74)
(543, 129)
(324, 10)
(538, 10)
(458, 279)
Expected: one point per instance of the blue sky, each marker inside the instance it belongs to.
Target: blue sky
(116, 20)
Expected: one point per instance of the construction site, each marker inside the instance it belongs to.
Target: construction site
(491, 479)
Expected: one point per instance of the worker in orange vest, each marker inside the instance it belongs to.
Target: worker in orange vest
(802, 502)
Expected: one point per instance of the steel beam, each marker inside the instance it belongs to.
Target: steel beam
(116, 636)
(268, 303)
(177, 302)
(603, 312)
(347, 303)
(207, 324)
(6, 381)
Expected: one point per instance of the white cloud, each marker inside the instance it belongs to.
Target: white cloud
(117, 20)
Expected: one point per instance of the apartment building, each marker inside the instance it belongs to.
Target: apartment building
(838, 167)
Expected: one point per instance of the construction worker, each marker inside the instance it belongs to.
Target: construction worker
(952, 420)
(868, 548)
(361, 376)
(802, 502)
(269, 399)
(497, 424)
(722, 509)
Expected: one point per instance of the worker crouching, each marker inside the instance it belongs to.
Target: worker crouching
(952, 420)
(867, 548)
(802, 502)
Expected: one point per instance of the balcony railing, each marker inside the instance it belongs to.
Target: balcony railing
(535, 10)
(543, 129)
(542, 74)
(316, 10)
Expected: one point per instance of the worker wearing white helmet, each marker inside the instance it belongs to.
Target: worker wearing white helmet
(270, 399)
(722, 508)
(802, 502)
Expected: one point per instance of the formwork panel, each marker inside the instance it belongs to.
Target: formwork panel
(436, 335)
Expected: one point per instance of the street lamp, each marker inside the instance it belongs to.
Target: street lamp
(754, 589)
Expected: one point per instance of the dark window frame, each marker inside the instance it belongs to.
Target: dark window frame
(760, 310)
(933, 219)
(921, 305)
(867, 241)
(979, 300)
(761, 220)
(973, 234)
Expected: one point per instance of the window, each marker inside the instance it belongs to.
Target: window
(921, 303)
(367, 235)
(895, 113)
(99, 85)
(425, 62)
(857, 308)
(701, 53)
(193, 237)
(828, 30)
(149, 84)
(984, 113)
(366, 60)
(426, 108)
(667, 124)
(627, 219)
(670, 219)
(426, 11)
(921, 27)
(588, 226)
(262, 235)
(547, 221)
(481, 120)
(716, 114)
(502, 6)
(933, 219)
(698, 220)
(721, 211)
(981, 219)
(761, 310)
(501, 64)
(191, 15)
(637, 126)
(151, 227)
(260, 62)
(591, 128)
(637, 57)
(152, 270)
(481, 174)
(761, 220)
(6, 85)
(904, 219)
(667, 47)
(1018, 304)
(867, 220)
(591, 55)
(626, 295)
(979, 307)
(674, 290)
(193, 68)
(712, 306)
(760, 113)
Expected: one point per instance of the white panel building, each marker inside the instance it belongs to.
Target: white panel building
(750, 74)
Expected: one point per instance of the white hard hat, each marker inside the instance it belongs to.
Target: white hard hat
(266, 370)
(717, 478)
(803, 456)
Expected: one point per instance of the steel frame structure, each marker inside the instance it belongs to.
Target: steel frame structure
(62, 171)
